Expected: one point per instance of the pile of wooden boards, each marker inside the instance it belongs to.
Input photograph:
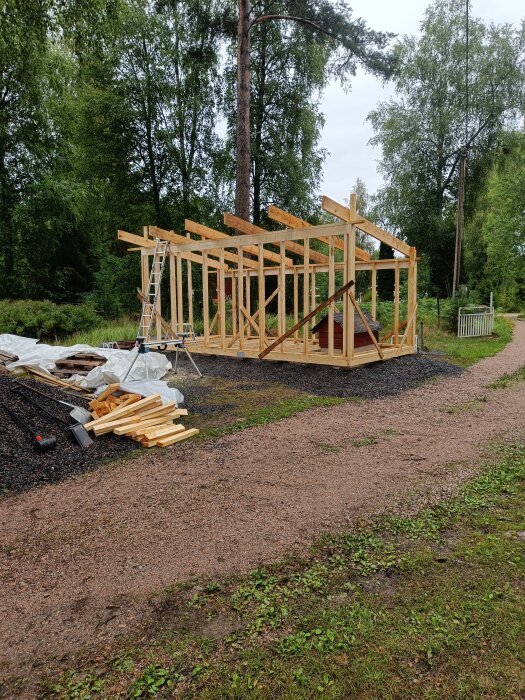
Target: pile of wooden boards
(82, 363)
(5, 358)
(148, 421)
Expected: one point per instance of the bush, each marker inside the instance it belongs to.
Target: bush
(45, 320)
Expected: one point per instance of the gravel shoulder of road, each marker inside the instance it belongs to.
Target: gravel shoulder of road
(79, 560)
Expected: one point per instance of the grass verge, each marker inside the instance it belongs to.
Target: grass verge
(467, 351)
(429, 606)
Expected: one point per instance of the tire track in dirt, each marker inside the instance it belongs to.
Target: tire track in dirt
(79, 559)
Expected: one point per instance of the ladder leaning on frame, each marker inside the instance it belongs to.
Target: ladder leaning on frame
(149, 305)
(151, 296)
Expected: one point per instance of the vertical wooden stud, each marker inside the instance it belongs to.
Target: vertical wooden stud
(306, 292)
(222, 300)
(296, 301)
(396, 303)
(282, 292)
(313, 295)
(180, 300)
(374, 292)
(248, 301)
(240, 291)
(205, 299)
(234, 302)
(261, 294)
(331, 290)
(173, 295)
(189, 282)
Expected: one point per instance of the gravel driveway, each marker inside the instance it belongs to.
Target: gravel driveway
(79, 559)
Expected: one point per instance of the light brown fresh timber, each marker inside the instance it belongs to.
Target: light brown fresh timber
(110, 389)
(49, 378)
(164, 442)
(248, 228)
(143, 424)
(168, 425)
(150, 244)
(336, 295)
(214, 235)
(345, 214)
(164, 431)
(291, 221)
(366, 325)
(128, 410)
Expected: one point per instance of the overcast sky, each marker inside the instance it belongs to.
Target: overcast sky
(346, 132)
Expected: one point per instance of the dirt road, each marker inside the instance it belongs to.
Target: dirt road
(78, 560)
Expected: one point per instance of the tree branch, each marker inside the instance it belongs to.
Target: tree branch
(292, 18)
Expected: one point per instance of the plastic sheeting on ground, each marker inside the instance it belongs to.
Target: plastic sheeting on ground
(146, 388)
(43, 357)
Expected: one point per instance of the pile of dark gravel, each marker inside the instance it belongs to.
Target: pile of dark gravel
(372, 381)
(21, 468)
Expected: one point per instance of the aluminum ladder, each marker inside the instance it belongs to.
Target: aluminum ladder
(150, 298)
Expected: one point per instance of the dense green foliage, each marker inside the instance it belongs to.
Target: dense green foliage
(118, 113)
(45, 320)
(495, 235)
(421, 130)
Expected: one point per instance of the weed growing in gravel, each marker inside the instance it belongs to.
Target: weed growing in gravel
(327, 447)
(365, 441)
(507, 380)
(470, 406)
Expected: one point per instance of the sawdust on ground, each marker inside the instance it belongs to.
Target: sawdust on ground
(79, 560)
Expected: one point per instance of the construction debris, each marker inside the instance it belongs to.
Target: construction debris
(81, 364)
(7, 357)
(148, 421)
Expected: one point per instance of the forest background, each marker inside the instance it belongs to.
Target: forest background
(120, 113)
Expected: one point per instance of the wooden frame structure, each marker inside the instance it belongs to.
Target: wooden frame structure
(243, 274)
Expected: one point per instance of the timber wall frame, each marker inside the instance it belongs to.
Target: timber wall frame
(234, 324)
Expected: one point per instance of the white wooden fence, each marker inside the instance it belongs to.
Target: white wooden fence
(475, 321)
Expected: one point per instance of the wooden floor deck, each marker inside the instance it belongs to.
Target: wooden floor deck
(294, 351)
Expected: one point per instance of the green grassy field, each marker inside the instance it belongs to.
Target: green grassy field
(424, 607)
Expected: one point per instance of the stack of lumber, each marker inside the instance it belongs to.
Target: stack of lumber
(82, 363)
(7, 357)
(50, 379)
(148, 421)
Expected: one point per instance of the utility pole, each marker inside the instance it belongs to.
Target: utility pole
(459, 219)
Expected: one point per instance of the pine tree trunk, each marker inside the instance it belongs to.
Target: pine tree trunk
(243, 159)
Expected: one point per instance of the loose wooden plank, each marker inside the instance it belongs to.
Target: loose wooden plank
(138, 425)
(158, 433)
(110, 389)
(164, 442)
(128, 410)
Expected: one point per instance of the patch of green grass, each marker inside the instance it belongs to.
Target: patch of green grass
(470, 406)
(106, 332)
(327, 447)
(365, 441)
(507, 380)
(421, 607)
(260, 415)
(467, 351)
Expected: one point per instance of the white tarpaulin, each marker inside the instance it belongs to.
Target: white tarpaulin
(41, 356)
(148, 388)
